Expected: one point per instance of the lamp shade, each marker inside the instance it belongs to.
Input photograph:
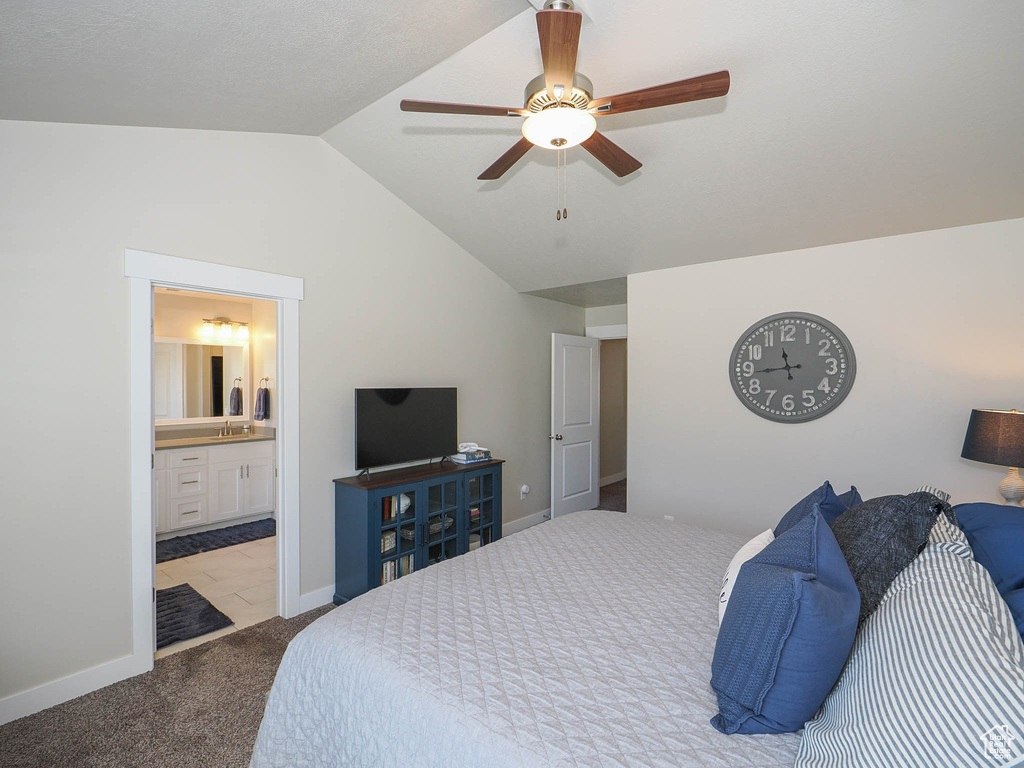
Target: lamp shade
(995, 437)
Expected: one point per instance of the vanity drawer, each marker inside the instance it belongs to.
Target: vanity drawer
(188, 481)
(192, 457)
(187, 512)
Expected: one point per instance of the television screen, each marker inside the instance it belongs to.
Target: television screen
(394, 426)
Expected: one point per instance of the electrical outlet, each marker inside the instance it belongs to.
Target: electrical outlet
(670, 518)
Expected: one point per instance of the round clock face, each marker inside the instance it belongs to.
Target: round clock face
(792, 367)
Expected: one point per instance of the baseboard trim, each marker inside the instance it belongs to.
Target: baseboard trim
(515, 526)
(316, 598)
(51, 694)
(613, 478)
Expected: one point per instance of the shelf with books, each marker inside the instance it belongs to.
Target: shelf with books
(422, 516)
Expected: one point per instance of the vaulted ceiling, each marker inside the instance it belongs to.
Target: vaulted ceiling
(845, 121)
(274, 66)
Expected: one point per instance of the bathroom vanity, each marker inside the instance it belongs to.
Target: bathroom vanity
(202, 483)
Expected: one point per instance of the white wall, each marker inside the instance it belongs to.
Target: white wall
(934, 319)
(182, 317)
(610, 315)
(264, 357)
(384, 292)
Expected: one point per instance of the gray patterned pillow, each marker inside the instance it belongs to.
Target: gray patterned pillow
(881, 537)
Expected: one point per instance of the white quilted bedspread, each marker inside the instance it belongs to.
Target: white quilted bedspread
(585, 641)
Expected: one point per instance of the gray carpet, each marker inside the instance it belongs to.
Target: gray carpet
(198, 708)
(613, 497)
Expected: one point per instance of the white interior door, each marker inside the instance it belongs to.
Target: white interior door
(575, 423)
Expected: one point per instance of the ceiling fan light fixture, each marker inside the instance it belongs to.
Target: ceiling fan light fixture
(559, 127)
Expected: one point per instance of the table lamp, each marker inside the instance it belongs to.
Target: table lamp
(997, 437)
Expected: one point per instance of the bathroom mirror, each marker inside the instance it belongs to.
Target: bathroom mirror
(192, 381)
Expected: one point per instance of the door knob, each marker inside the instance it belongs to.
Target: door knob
(554, 437)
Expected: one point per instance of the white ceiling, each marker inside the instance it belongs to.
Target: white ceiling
(600, 293)
(845, 121)
(276, 66)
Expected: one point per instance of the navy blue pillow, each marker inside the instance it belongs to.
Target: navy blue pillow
(850, 499)
(830, 506)
(996, 534)
(786, 633)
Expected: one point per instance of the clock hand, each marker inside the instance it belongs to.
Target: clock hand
(789, 368)
(769, 370)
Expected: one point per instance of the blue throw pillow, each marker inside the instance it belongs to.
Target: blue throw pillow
(1015, 600)
(851, 498)
(996, 534)
(786, 633)
(824, 498)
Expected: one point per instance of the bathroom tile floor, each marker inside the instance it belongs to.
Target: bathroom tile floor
(240, 581)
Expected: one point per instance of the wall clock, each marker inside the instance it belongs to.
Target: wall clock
(792, 367)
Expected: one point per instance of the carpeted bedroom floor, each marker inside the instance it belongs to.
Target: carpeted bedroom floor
(613, 497)
(198, 708)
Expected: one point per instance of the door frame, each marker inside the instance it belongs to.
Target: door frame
(146, 270)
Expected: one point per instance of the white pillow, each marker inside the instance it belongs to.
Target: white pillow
(746, 552)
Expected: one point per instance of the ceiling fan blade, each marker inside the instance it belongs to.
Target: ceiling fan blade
(618, 160)
(506, 161)
(440, 107)
(693, 89)
(559, 41)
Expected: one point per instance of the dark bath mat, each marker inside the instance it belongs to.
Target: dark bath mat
(207, 541)
(182, 613)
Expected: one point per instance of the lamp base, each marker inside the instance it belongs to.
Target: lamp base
(1012, 487)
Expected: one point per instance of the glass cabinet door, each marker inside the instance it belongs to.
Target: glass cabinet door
(441, 533)
(481, 492)
(398, 535)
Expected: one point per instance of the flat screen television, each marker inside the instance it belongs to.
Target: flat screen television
(395, 426)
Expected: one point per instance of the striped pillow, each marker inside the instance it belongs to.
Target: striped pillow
(936, 675)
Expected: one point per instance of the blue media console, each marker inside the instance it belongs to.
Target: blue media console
(389, 524)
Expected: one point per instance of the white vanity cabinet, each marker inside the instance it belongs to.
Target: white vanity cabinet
(215, 484)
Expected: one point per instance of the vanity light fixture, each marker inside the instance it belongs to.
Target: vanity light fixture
(225, 328)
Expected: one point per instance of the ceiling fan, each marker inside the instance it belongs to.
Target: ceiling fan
(559, 105)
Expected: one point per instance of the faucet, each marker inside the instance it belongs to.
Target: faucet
(226, 430)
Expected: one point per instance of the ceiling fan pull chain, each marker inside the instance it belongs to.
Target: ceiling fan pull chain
(558, 184)
(565, 186)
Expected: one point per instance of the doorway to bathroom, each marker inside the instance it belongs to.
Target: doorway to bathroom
(214, 468)
(257, 484)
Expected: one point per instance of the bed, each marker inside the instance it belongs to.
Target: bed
(586, 641)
